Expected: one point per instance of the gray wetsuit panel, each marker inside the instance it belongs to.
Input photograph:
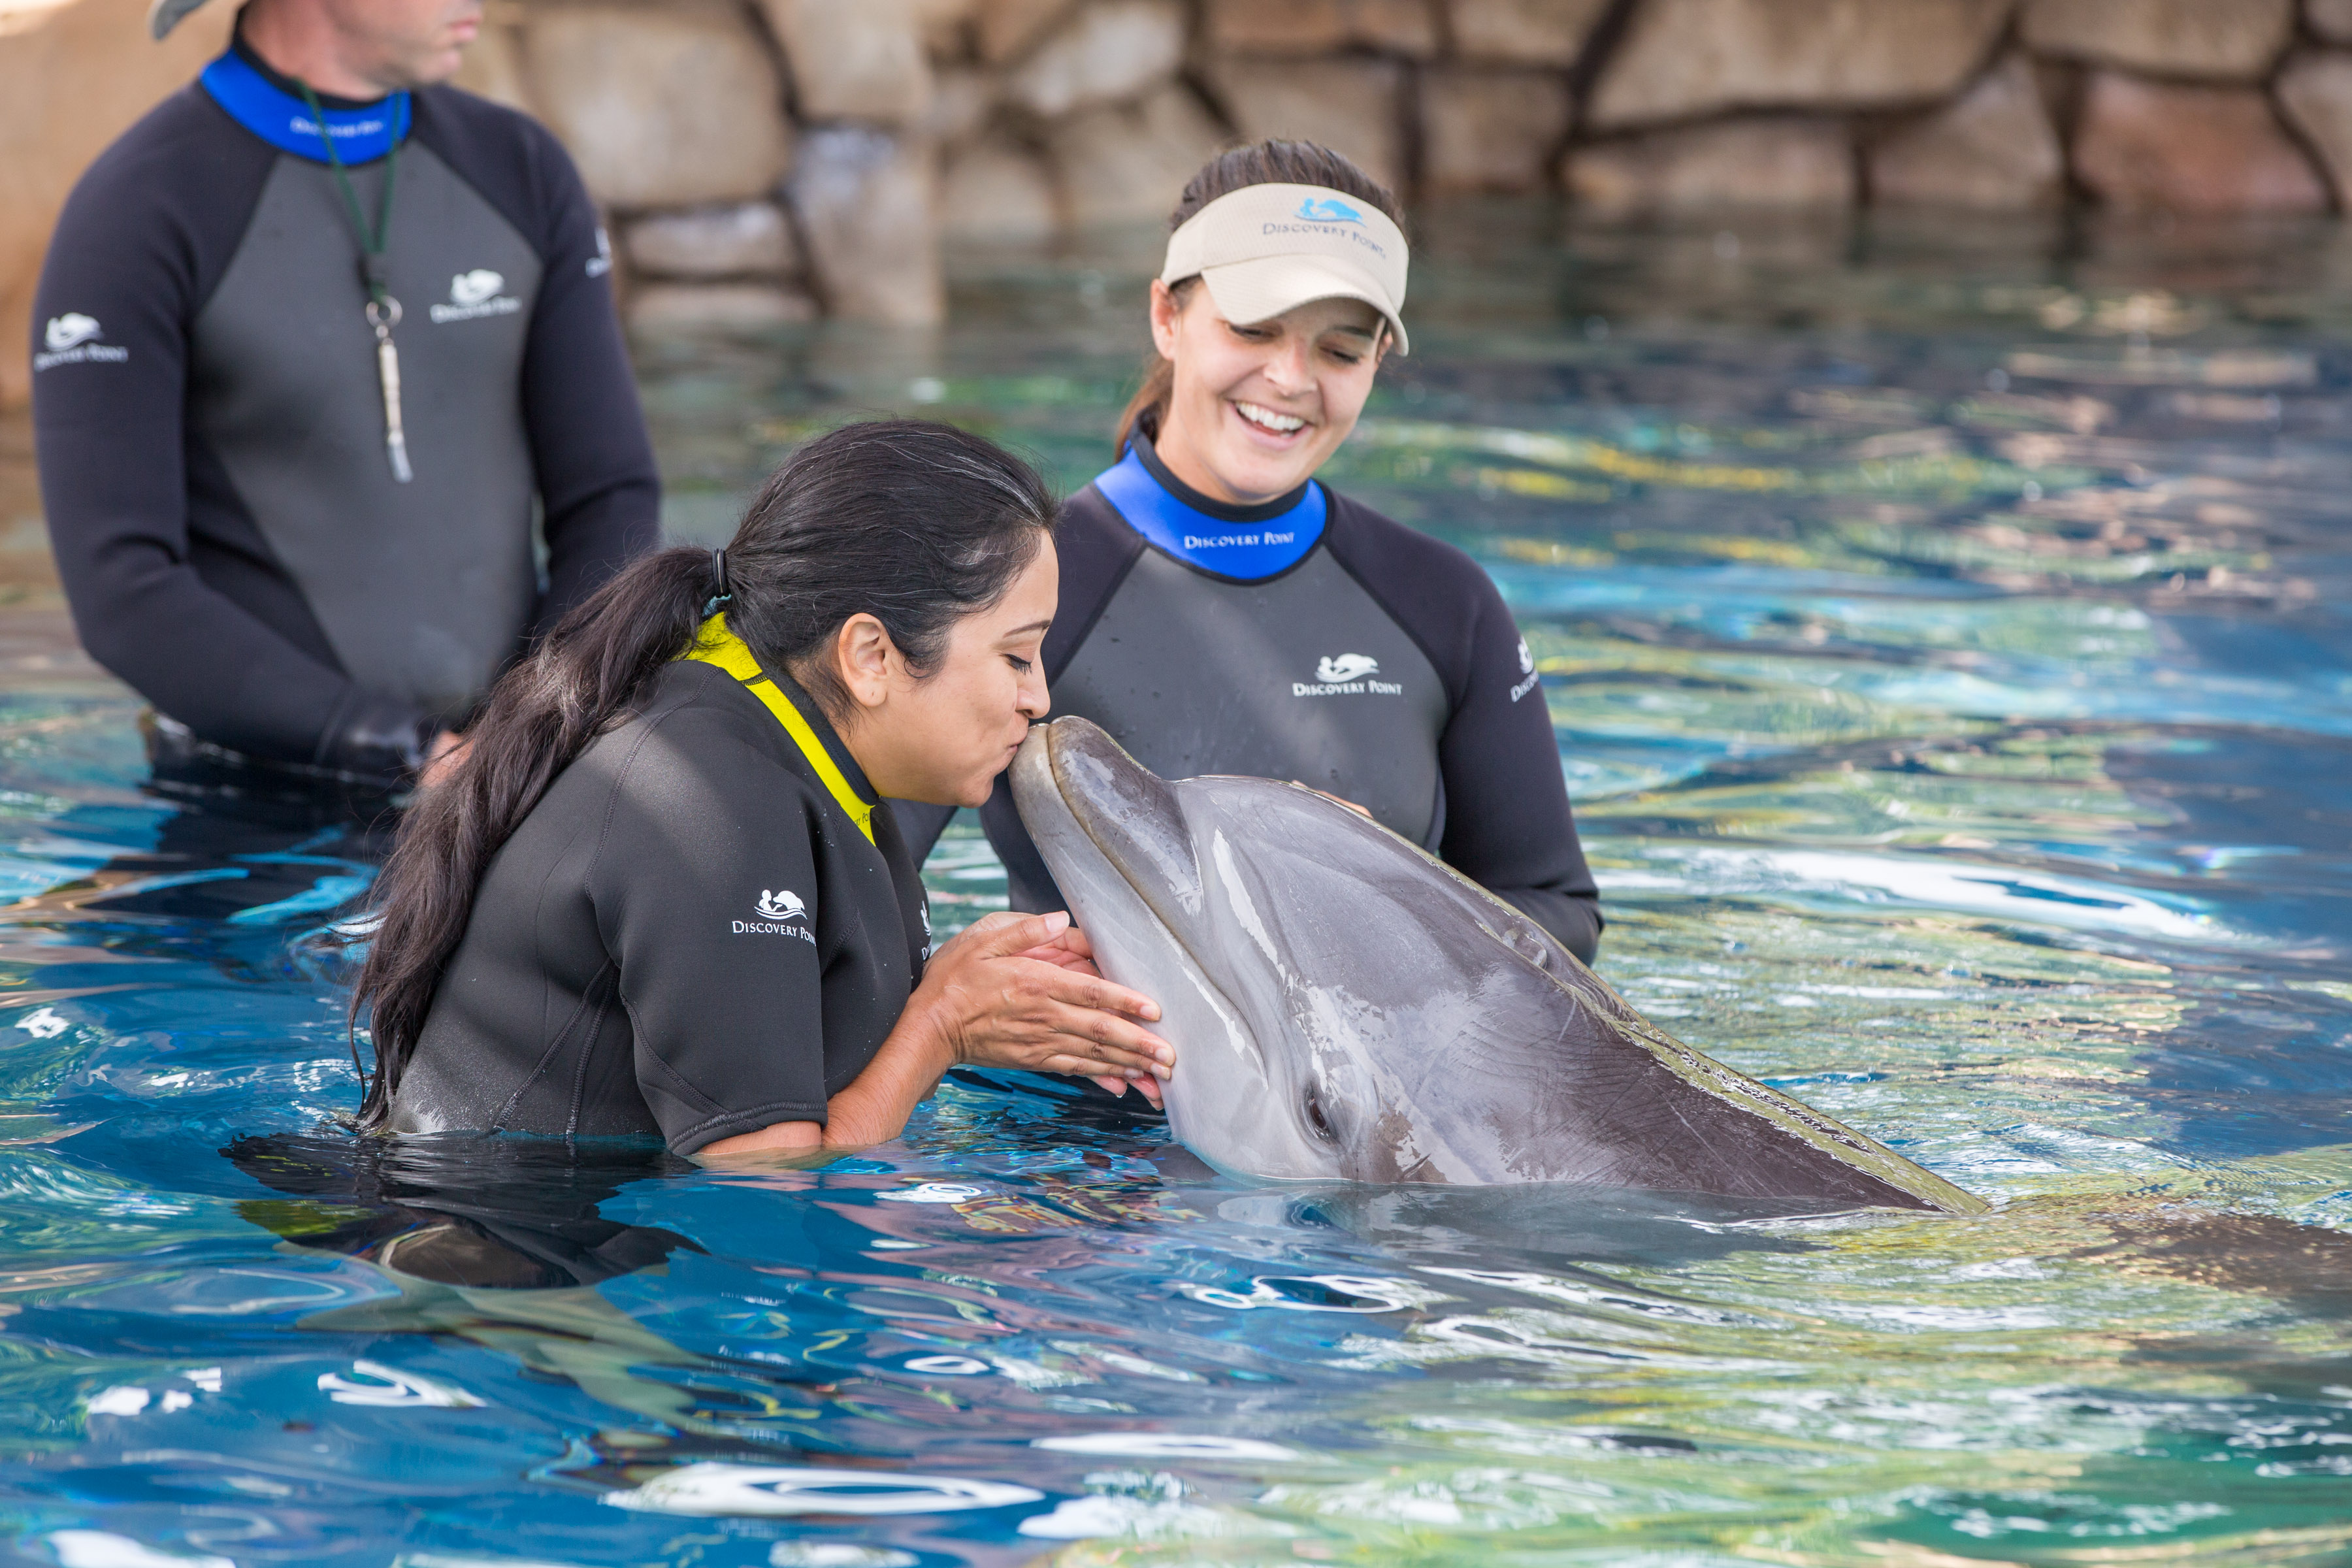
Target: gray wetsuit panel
(1302, 676)
(285, 391)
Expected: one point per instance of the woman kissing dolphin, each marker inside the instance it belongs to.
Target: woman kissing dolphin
(1344, 1006)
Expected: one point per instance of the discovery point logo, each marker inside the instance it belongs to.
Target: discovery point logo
(780, 913)
(1327, 218)
(72, 338)
(1327, 209)
(66, 331)
(472, 296)
(1347, 675)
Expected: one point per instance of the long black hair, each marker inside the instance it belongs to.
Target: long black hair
(915, 523)
(1269, 163)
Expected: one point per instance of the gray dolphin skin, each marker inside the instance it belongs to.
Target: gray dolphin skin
(1345, 1006)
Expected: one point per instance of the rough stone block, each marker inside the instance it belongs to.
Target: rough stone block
(995, 191)
(2331, 19)
(1007, 27)
(962, 98)
(1994, 150)
(2143, 146)
(865, 201)
(1130, 165)
(1350, 106)
(2315, 91)
(1319, 27)
(2218, 40)
(72, 79)
(660, 108)
(1525, 32)
(1490, 130)
(1106, 53)
(1734, 163)
(1686, 58)
(656, 308)
(862, 59)
(749, 239)
(945, 27)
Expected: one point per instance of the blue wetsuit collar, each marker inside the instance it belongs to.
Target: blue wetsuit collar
(362, 134)
(1246, 542)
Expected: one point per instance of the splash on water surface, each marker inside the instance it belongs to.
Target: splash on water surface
(1944, 637)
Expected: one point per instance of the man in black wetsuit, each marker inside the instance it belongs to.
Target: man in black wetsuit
(298, 395)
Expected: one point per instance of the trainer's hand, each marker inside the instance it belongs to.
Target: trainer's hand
(1363, 811)
(1022, 990)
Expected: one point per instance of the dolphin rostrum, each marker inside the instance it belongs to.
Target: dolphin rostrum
(1344, 1006)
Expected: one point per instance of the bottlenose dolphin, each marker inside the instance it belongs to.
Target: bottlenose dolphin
(1344, 1006)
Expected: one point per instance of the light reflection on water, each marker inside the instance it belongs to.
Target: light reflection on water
(1945, 635)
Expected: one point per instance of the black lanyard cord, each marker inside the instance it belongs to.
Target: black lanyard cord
(383, 309)
(373, 237)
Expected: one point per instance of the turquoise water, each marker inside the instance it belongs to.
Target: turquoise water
(1945, 633)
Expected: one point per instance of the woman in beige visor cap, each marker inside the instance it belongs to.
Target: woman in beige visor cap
(1222, 612)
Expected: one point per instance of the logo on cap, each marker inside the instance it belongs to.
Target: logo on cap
(1327, 209)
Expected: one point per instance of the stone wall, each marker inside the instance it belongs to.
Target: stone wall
(771, 159)
(768, 161)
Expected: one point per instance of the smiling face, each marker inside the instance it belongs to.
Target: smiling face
(943, 737)
(1256, 409)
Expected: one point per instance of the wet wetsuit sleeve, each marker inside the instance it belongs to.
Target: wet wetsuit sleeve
(588, 440)
(1507, 825)
(146, 232)
(599, 490)
(705, 834)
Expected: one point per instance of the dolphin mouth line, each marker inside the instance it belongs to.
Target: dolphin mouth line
(1191, 953)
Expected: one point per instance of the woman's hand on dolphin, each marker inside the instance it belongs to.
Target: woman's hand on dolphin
(1073, 952)
(1022, 990)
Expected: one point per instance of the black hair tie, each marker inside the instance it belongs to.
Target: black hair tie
(721, 592)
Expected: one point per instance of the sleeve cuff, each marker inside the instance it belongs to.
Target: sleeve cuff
(704, 1133)
(375, 737)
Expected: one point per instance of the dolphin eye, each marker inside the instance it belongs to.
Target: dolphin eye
(1313, 1105)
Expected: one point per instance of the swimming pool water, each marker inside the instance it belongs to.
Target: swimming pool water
(1945, 630)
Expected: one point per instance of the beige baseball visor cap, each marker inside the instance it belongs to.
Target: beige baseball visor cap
(1263, 249)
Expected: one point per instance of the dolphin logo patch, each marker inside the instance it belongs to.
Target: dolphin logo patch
(1346, 668)
(1328, 209)
(68, 330)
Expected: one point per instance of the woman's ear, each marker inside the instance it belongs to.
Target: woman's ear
(1166, 306)
(864, 654)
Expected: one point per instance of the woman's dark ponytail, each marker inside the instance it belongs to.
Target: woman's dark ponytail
(594, 666)
(1269, 163)
(915, 523)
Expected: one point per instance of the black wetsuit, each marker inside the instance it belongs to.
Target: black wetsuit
(690, 935)
(211, 424)
(1312, 639)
